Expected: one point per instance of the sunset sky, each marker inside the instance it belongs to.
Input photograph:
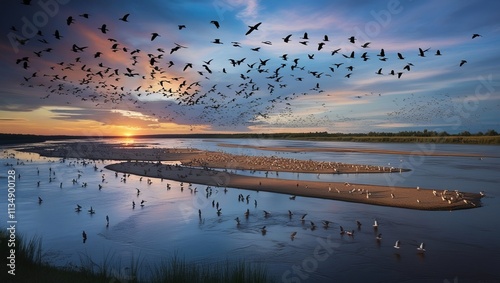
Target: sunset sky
(116, 79)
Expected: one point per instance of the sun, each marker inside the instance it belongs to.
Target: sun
(128, 135)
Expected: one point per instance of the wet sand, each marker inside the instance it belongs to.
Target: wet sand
(404, 197)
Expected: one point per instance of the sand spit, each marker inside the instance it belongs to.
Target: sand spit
(403, 197)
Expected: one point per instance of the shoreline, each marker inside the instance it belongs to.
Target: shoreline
(404, 197)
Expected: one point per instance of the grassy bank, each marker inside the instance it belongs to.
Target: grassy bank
(29, 267)
(485, 140)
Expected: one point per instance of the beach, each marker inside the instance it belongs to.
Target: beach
(199, 166)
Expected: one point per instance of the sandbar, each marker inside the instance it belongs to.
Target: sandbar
(402, 197)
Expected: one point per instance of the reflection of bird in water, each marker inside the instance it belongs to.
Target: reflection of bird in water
(91, 210)
(40, 200)
(84, 236)
(78, 208)
(292, 236)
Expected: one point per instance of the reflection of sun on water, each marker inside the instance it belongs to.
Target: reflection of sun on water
(128, 139)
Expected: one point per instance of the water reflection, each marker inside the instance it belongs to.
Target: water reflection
(170, 222)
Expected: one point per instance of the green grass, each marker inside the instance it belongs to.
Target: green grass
(31, 268)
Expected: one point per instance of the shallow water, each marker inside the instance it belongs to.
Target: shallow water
(460, 244)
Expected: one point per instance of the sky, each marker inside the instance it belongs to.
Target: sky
(65, 73)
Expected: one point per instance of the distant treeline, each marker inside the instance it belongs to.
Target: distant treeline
(425, 136)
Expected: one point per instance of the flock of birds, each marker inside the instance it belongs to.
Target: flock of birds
(167, 84)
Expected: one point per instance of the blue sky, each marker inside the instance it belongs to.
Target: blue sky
(264, 93)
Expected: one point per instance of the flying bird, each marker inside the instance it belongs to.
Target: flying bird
(103, 28)
(462, 62)
(57, 35)
(154, 35)
(215, 23)
(124, 18)
(252, 28)
(287, 38)
(476, 35)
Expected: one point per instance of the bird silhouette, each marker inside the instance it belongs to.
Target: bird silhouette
(252, 28)
(103, 28)
(215, 23)
(124, 18)
(154, 35)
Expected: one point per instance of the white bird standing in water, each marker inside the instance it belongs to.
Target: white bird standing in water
(375, 224)
(397, 245)
(421, 248)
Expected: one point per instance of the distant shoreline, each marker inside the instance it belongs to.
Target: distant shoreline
(379, 138)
